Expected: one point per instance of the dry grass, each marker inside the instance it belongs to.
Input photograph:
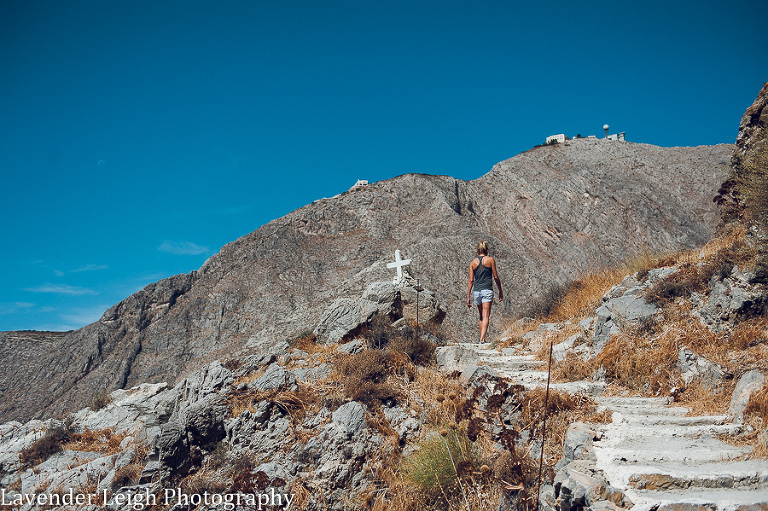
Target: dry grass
(732, 238)
(127, 475)
(102, 441)
(638, 364)
(295, 402)
(436, 397)
(701, 399)
(572, 368)
(758, 404)
(749, 333)
(643, 263)
(755, 357)
(562, 410)
(582, 296)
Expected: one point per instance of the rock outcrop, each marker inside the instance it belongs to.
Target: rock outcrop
(345, 317)
(754, 122)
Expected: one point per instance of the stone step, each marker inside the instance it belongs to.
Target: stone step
(633, 401)
(734, 474)
(652, 429)
(512, 364)
(662, 419)
(642, 405)
(623, 450)
(588, 388)
(702, 499)
(523, 377)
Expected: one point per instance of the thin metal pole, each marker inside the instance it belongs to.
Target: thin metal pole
(417, 302)
(544, 425)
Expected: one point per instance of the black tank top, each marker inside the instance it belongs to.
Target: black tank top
(483, 276)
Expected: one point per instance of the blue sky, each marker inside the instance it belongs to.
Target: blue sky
(137, 138)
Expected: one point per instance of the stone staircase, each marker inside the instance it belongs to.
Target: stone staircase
(528, 371)
(661, 458)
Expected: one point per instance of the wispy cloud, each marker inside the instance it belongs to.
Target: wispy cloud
(90, 267)
(62, 289)
(14, 307)
(183, 248)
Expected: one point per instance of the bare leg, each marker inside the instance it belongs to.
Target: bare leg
(485, 315)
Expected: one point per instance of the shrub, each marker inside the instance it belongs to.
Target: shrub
(379, 331)
(689, 278)
(218, 456)
(441, 459)
(100, 400)
(233, 364)
(103, 441)
(381, 335)
(127, 475)
(667, 291)
(544, 305)
(420, 351)
(50, 444)
(303, 341)
(202, 482)
(364, 375)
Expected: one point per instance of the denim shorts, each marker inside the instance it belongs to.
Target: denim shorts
(483, 296)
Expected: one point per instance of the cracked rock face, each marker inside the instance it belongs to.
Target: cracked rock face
(549, 214)
(754, 122)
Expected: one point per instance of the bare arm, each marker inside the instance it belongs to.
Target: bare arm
(497, 279)
(469, 285)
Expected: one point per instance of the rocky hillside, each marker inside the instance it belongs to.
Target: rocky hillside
(644, 413)
(550, 214)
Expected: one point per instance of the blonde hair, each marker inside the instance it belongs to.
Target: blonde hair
(482, 248)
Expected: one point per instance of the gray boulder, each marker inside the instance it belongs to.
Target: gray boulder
(342, 317)
(452, 359)
(204, 419)
(351, 417)
(729, 298)
(624, 306)
(275, 378)
(210, 378)
(172, 450)
(143, 408)
(694, 367)
(618, 313)
(345, 317)
(560, 351)
(748, 384)
(578, 442)
(352, 347)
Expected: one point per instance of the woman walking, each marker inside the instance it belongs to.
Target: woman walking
(482, 273)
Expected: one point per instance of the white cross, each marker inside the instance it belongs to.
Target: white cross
(399, 263)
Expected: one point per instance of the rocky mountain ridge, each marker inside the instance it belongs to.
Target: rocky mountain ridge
(550, 214)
